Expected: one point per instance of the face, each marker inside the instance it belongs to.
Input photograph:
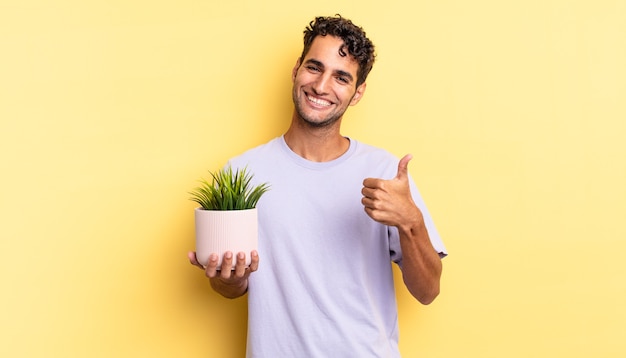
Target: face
(324, 83)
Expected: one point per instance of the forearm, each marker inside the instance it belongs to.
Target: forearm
(421, 264)
(229, 289)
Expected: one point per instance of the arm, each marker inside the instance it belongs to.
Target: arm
(421, 265)
(228, 283)
(389, 202)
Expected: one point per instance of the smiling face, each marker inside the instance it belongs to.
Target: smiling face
(324, 83)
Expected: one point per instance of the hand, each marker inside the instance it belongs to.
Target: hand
(225, 274)
(389, 201)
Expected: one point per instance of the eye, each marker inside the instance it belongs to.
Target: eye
(312, 68)
(343, 79)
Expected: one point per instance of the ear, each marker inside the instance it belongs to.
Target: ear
(295, 70)
(358, 94)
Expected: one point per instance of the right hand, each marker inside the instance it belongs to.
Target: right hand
(224, 277)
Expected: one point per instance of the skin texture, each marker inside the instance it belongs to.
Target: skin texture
(324, 86)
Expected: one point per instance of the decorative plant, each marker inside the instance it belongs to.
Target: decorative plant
(228, 190)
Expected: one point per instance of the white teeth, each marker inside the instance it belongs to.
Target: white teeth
(318, 101)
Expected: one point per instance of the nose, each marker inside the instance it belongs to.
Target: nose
(321, 83)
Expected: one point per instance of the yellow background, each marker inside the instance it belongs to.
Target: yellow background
(111, 110)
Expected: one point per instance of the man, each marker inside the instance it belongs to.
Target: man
(331, 224)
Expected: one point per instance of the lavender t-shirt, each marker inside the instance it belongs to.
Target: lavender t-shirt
(324, 287)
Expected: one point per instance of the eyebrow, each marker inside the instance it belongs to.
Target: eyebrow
(338, 72)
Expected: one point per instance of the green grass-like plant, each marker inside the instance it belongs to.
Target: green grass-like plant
(228, 190)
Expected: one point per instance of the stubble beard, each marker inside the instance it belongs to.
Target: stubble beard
(310, 121)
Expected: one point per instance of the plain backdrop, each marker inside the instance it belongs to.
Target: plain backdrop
(110, 111)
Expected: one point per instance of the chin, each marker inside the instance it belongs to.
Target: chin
(320, 124)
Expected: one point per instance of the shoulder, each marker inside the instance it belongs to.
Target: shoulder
(260, 152)
(370, 151)
(374, 158)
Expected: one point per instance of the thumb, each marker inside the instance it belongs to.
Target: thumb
(403, 167)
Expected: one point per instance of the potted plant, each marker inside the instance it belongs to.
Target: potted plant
(227, 218)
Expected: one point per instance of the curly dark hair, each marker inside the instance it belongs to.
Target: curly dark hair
(354, 39)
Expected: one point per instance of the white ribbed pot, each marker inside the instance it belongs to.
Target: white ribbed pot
(218, 231)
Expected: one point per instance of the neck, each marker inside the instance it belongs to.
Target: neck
(316, 144)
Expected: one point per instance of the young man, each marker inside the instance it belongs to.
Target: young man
(338, 213)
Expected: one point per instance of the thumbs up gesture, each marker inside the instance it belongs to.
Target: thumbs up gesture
(389, 201)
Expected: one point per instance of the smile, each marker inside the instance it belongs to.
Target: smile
(318, 101)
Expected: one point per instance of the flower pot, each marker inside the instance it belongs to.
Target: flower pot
(230, 230)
